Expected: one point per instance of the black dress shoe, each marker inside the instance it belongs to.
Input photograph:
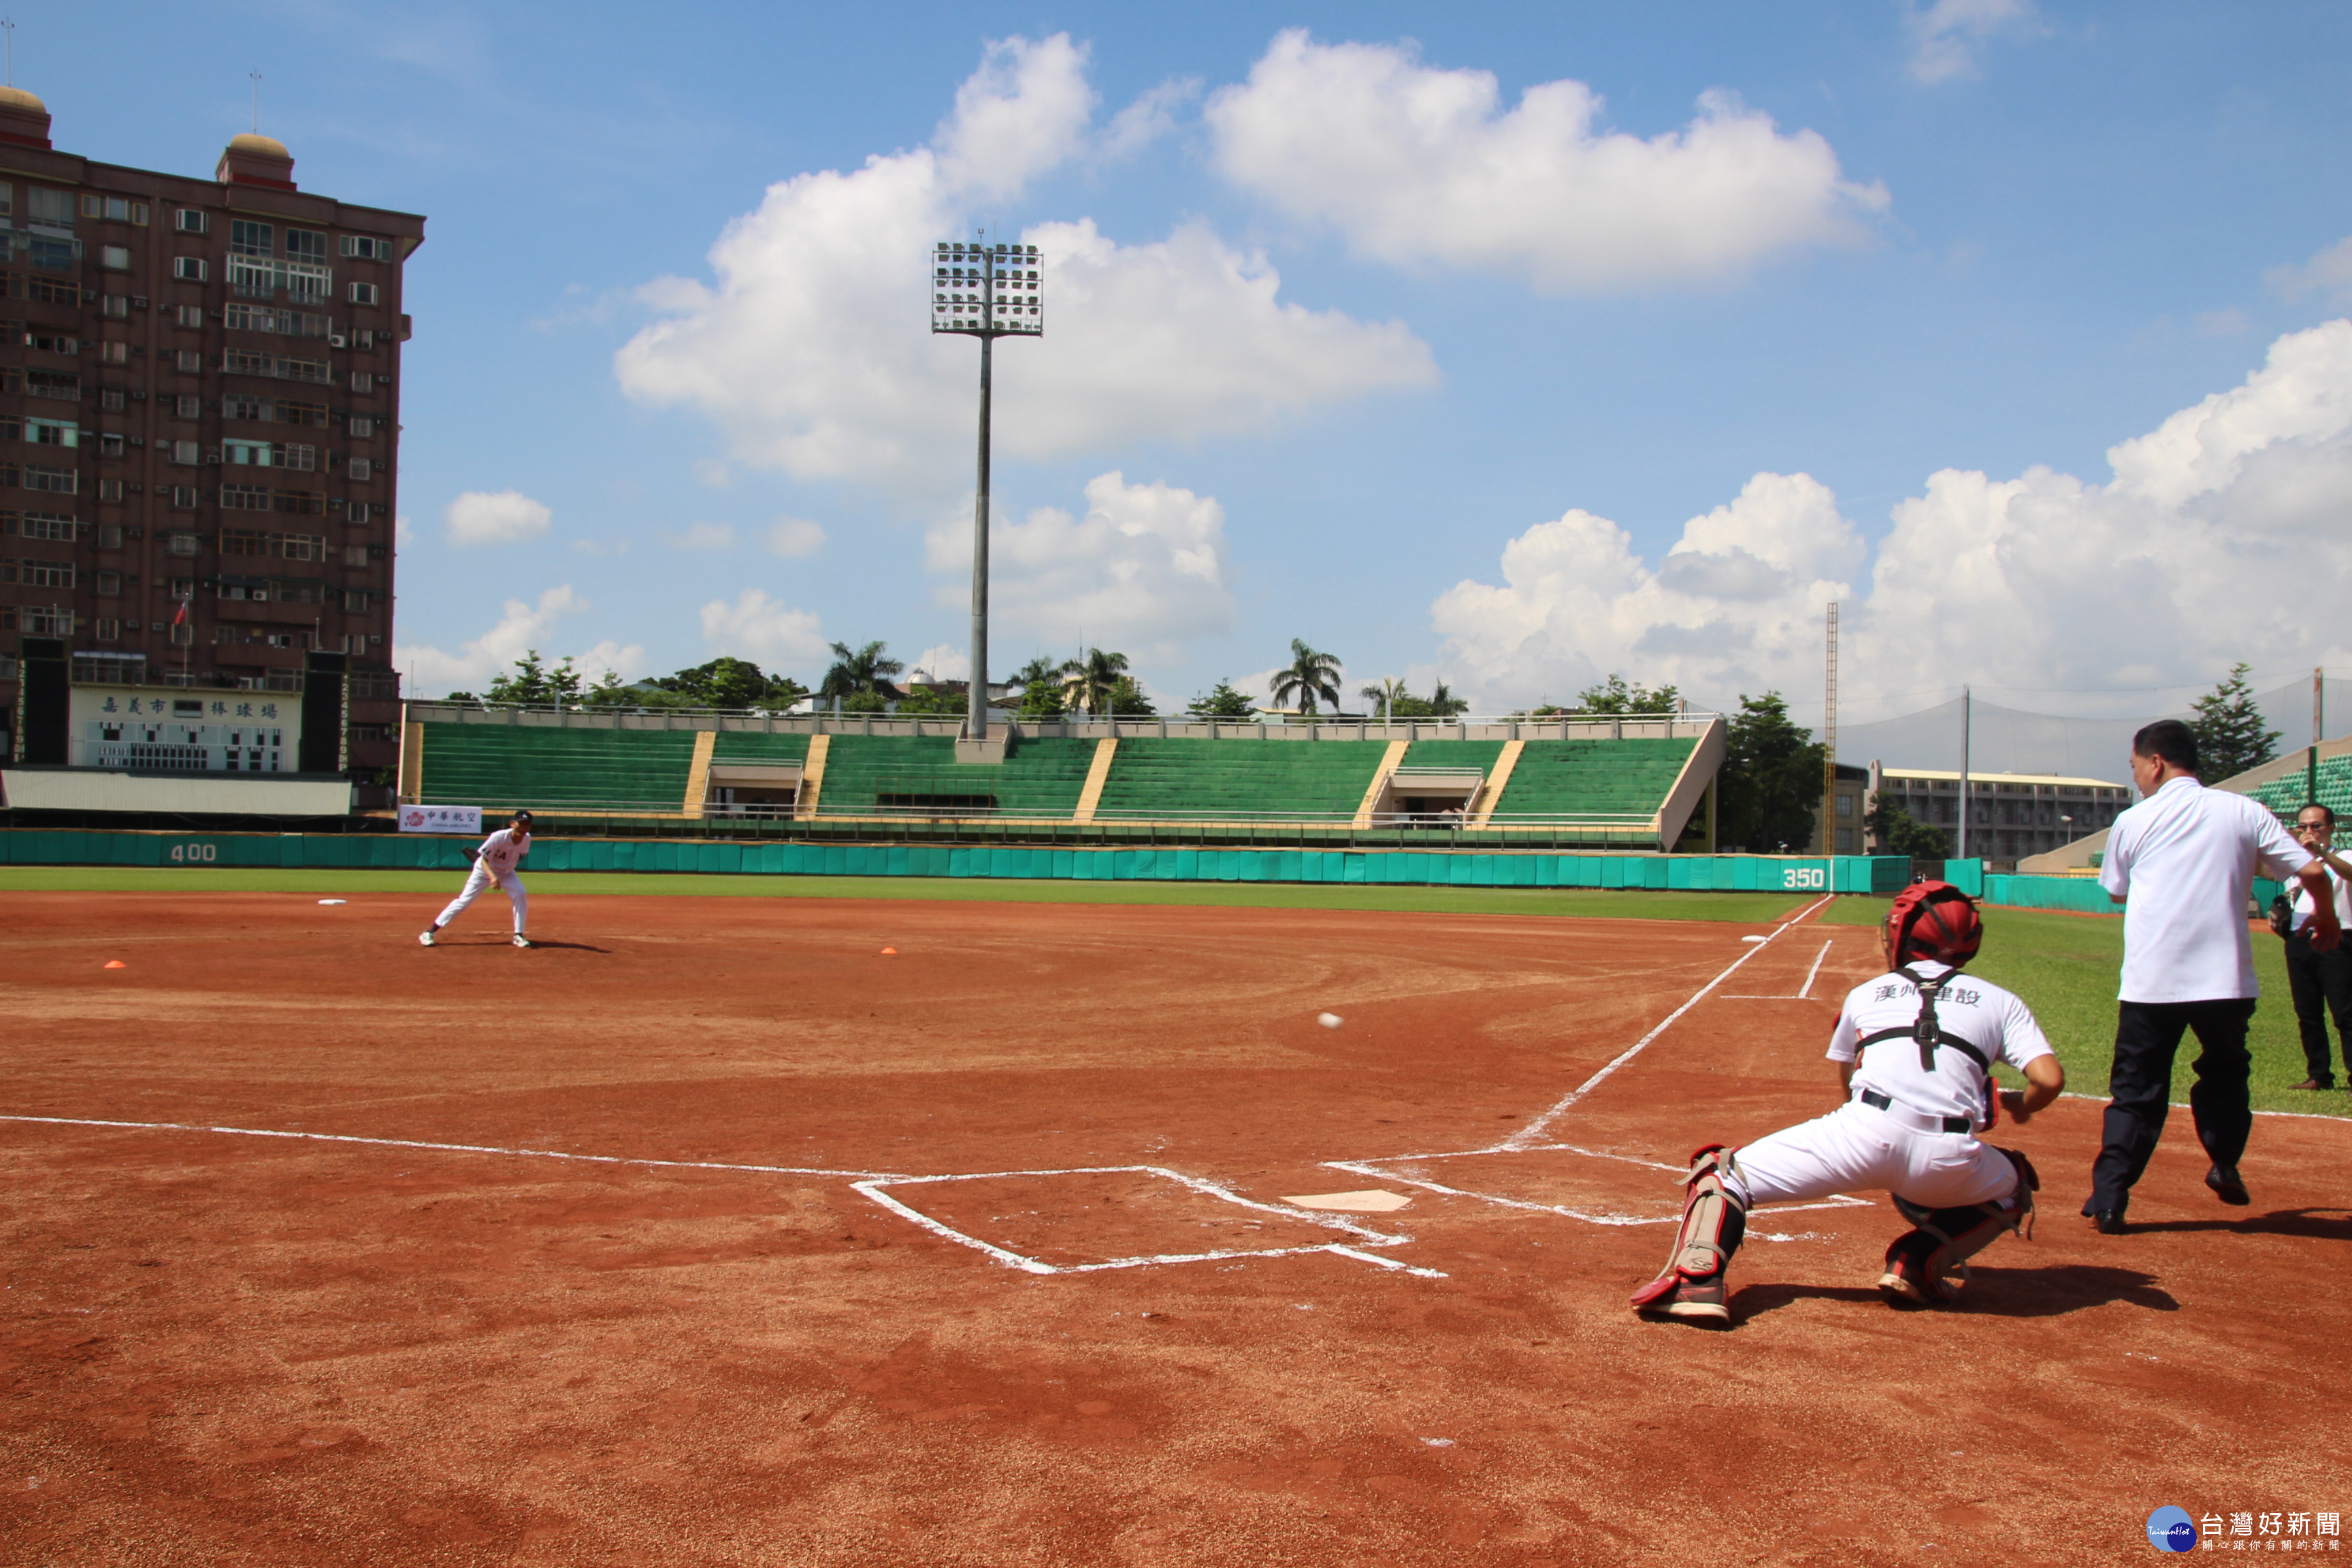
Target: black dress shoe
(2224, 1180)
(2109, 1220)
(2316, 1085)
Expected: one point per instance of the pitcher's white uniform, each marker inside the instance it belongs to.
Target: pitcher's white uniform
(1921, 1144)
(494, 862)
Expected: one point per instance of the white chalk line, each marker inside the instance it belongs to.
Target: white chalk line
(1383, 1171)
(1534, 1129)
(449, 1148)
(1806, 989)
(873, 1189)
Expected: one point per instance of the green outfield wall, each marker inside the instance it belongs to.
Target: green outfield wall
(1461, 868)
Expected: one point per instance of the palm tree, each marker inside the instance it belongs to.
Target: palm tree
(1385, 696)
(1444, 704)
(860, 670)
(1311, 676)
(1089, 682)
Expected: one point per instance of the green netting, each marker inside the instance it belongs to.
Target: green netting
(1037, 778)
(1206, 778)
(517, 764)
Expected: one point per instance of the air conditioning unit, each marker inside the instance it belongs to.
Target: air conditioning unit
(337, 342)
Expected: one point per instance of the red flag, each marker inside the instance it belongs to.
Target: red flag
(180, 615)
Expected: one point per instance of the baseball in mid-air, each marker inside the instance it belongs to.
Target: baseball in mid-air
(1330, 1020)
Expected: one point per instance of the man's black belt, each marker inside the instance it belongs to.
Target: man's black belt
(1877, 1101)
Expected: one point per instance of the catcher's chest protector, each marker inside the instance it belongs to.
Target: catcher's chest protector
(1928, 1033)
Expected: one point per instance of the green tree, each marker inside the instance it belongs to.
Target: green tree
(1310, 678)
(2231, 734)
(1772, 778)
(1904, 834)
(860, 671)
(1040, 681)
(1443, 704)
(1089, 682)
(1222, 703)
(1127, 699)
(1384, 696)
(532, 684)
(1613, 696)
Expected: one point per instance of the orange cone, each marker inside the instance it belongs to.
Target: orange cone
(890, 952)
(116, 963)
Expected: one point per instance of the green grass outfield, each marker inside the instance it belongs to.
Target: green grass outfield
(2066, 967)
(1746, 909)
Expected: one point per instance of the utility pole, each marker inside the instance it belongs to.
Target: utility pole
(1828, 742)
(987, 293)
(1964, 772)
(2311, 764)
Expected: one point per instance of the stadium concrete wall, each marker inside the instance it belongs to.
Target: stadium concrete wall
(1717, 873)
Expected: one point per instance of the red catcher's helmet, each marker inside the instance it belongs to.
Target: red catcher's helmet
(1934, 920)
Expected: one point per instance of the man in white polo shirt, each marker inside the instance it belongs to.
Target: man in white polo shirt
(2181, 863)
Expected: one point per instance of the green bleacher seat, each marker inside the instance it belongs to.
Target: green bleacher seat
(508, 765)
(1574, 778)
(1038, 778)
(1206, 779)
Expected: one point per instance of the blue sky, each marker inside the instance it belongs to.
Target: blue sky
(1423, 333)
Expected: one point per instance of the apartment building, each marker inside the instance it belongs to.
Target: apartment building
(2013, 814)
(199, 438)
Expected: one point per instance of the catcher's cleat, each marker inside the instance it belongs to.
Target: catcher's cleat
(1715, 1221)
(425, 939)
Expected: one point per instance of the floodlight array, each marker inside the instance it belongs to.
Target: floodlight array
(987, 291)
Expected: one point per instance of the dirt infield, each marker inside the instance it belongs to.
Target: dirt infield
(977, 1253)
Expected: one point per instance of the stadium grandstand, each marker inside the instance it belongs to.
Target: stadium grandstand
(1634, 783)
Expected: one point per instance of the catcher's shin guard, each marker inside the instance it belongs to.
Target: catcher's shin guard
(1714, 1220)
(1926, 1266)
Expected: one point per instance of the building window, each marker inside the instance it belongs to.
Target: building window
(244, 498)
(53, 207)
(47, 525)
(109, 584)
(186, 405)
(355, 555)
(114, 209)
(114, 354)
(110, 536)
(366, 247)
(106, 629)
(186, 452)
(114, 257)
(188, 268)
(362, 381)
(112, 400)
(110, 446)
(363, 294)
(47, 574)
(109, 489)
(184, 496)
(187, 315)
(362, 426)
(116, 305)
(53, 432)
(188, 220)
(363, 469)
(301, 245)
(182, 544)
(188, 361)
(246, 238)
(56, 481)
(184, 633)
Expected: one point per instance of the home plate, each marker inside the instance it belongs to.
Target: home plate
(1373, 1201)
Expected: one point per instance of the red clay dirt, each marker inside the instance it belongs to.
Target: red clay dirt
(218, 1348)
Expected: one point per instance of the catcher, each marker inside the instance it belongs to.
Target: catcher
(1915, 1051)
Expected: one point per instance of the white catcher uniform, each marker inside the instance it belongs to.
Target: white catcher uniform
(496, 861)
(1909, 1130)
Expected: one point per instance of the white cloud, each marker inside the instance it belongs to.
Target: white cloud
(2186, 562)
(1415, 164)
(702, 536)
(758, 628)
(943, 661)
(812, 349)
(1024, 112)
(1142, 571)
(2327, 274)
(494, 517)
(795, 536)
(403, 533)
(521, 628)
(1947, 34)
(1151, 116)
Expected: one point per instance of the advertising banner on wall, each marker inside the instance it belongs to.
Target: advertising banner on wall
(441, 819)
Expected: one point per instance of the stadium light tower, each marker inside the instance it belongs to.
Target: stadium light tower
(984, 291)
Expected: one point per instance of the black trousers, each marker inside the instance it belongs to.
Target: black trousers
(2320, 984)
(2147, 1034)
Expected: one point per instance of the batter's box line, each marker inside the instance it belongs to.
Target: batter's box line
(1380, 1171)
(444, 1148)
(873, 1187)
